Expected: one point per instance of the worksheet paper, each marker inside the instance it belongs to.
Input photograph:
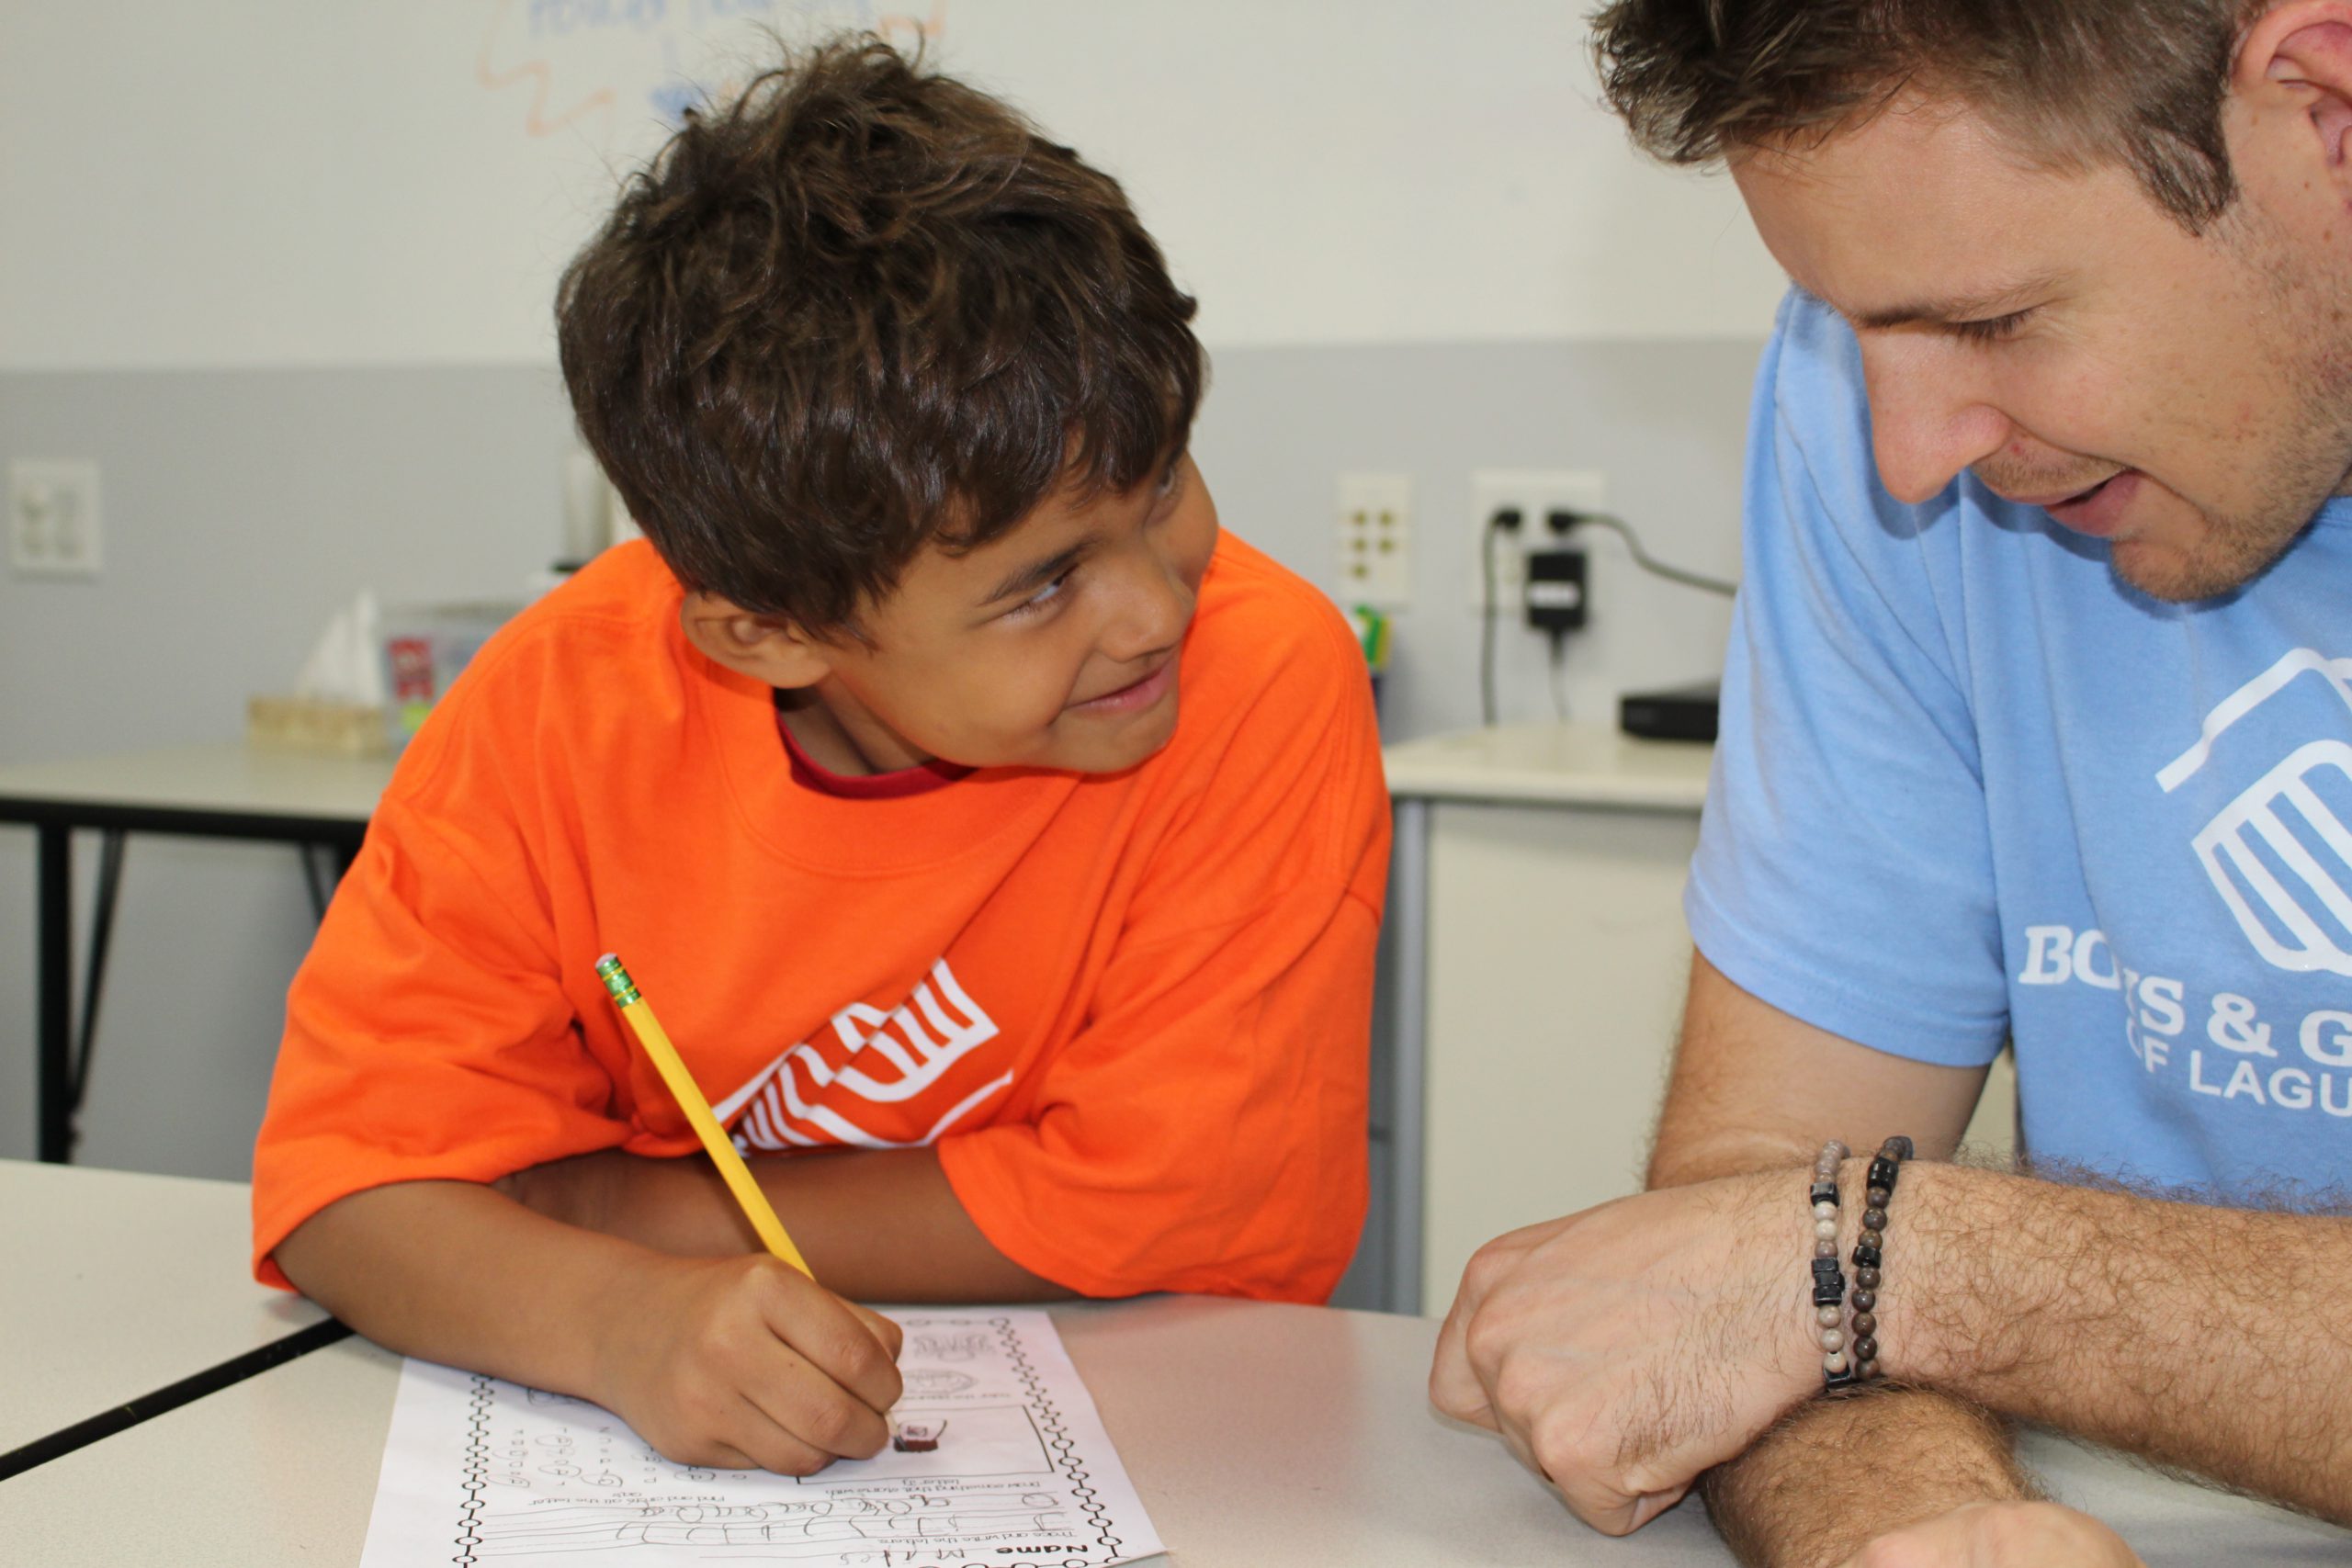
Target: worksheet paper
(479, 1471)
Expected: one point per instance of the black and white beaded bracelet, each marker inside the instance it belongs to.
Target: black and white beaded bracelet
(1828, 1280)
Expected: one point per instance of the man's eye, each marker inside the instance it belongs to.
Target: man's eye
(1993, 329)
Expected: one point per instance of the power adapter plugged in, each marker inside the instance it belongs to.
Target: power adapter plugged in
(1556, 598)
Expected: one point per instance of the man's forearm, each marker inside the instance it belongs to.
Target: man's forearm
(1836, 1474)
(2205, 1338)
(2208, 1339)
(874, 1225)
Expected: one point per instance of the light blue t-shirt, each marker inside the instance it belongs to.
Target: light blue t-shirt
(1971, 786)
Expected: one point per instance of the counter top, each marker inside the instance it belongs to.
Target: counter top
(1552, 764)
(226, 778)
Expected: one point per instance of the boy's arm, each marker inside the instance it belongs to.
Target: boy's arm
(1203, 1131)
(730, 1362)
(877, 1225)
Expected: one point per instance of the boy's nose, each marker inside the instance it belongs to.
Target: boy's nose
(1152, 614)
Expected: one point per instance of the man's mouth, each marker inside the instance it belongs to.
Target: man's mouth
(2097, 510)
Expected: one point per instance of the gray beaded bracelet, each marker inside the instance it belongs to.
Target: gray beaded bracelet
(1828, 1280)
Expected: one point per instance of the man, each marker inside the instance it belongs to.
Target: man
(2038, 727)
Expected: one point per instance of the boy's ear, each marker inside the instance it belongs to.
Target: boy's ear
(773, 652)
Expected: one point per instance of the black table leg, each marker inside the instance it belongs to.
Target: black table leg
(54, 986)
(62, 1064)
(320, 891)
(94, 972)
(340, 852)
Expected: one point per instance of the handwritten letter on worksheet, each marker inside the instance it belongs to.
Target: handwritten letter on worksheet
(478, 1471)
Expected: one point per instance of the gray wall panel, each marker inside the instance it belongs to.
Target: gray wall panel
(242, 507)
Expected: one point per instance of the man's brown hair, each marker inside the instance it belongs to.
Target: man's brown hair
(862, 308)
(2072, 82)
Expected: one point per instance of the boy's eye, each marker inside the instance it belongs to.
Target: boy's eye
(1043, 596)
(1993, 329)
(1164, 491)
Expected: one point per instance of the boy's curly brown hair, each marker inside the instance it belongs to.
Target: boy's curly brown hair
(862, 308)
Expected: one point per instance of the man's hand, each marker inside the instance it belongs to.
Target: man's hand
(744, 1362)
(2001, 1535)
(1622, 1351)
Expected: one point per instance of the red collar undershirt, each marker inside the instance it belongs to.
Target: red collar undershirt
(896, 784)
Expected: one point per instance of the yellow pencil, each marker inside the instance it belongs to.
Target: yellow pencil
(721, 1148)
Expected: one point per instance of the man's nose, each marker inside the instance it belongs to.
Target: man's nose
(1929, 418)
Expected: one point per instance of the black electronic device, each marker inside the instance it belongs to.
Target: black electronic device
(1555, 590)
(1679, 713)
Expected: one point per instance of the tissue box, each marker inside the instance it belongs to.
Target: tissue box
(316, 726)
(424, 647)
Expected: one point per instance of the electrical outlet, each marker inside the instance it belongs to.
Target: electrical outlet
(1533, 494)
(1374, 514)
(53, 518)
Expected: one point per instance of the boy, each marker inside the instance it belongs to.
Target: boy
(1003, 849)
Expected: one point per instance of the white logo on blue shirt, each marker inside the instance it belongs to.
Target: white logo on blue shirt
(2279, 854)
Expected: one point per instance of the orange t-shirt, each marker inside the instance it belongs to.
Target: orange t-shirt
(1131, 1010)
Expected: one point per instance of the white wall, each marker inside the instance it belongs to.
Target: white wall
(283, 182)
(282, 267)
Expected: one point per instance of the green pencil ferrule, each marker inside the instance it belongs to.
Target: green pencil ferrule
(609, 969)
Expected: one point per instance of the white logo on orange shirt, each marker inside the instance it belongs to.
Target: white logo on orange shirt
(884, 1059)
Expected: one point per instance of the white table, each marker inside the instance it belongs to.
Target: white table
(114, 1286)
(1259, 1436)
(224, 791)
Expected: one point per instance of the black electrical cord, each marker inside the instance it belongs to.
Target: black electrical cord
(1642, 557)
(1560, 676)
(1506, 520)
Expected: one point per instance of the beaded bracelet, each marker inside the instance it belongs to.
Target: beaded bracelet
(1869, 1249)
(1828, 1280)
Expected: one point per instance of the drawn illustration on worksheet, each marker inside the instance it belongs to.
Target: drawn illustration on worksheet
(1022, 1474)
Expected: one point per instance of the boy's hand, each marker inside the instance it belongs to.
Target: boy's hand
(743, 1362)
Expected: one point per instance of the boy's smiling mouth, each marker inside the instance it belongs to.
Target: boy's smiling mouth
(1134, 696)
